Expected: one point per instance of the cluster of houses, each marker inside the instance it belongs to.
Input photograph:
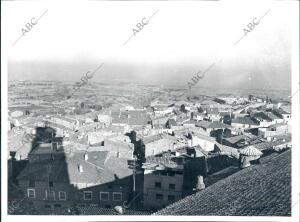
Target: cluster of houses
(145, 158)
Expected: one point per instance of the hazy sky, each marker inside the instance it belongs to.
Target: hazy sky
(180, 39)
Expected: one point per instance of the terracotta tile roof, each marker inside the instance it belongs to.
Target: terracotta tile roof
(98, 169)
(150, 139)
(204, 137)
(172, 122)
(117, 145)
(235, 139)
(163, 162)
(277, 125)
(209, 102)
(249, 138)
(132, 117)
(259, 190)
(200, 152)
(212, 125)
(250, 151)
(262, 116)
(263, 146)
(192, 122)
(280, 139)
(105, 211)
(243, 120)
(272, 116)
(224, 113)
(280, 111)
(47, 170)
(157, 137)
(119, 117)
(214, 111)
(283, 137)
(118, 167)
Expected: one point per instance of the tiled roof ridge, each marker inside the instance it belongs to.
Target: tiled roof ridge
(95, 165)
(278, 156)
(250, 150)
(251, 168)
(254, 167)
(60, 169)
(21, 175)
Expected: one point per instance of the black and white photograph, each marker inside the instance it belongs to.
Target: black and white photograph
(150, 110)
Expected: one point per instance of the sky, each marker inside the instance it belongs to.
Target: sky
(180, 39)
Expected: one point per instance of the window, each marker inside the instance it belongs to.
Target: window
(104, 196)
(172, 186)
(50, 194)
(62, 195)
(172, 173)
(87, 195)
(159, 196)
(157, 173)
(157, 184)
(31, 183)
(107, 206)
(171, 198)
(57, 205)
(31, 193)
(179, 172)
(50, 184)
(117, 196)
(164, 173)
(47, 206)
(109, 186)
(54, 146)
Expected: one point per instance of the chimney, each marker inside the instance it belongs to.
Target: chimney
(132, 155)
(118, 154)
(119, 209)
(200, 183)
(11, 164)
(12, 154)
(86, 157)
(80, 169)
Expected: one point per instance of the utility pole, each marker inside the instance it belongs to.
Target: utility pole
(222, 137)
(134, 173)
(134, 179)
(126, 205)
